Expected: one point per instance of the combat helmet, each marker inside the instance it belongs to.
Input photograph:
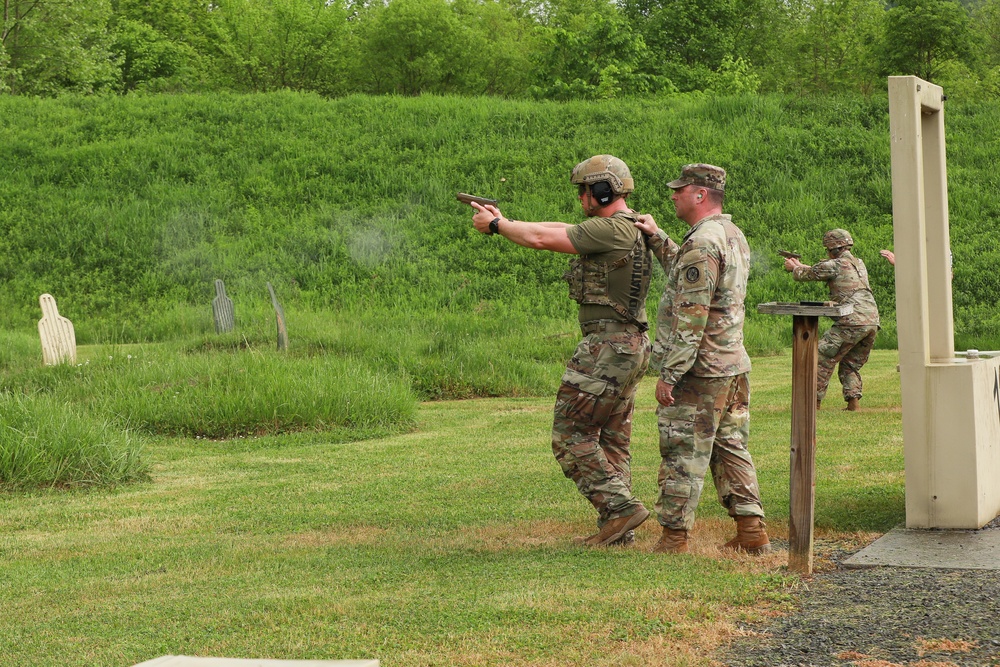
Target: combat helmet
(606, 168)
(837, 238)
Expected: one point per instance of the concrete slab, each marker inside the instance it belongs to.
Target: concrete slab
(190, 661)
(940, 549)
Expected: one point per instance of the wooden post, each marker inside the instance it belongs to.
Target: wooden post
(279, 316)
(802, 481)
(802, 470)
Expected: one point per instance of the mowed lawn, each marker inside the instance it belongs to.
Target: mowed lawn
(449, 545)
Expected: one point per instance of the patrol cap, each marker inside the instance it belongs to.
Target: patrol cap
(604, 168)
(701, 174)
(837, 238)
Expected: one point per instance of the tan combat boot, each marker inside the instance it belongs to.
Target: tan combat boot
(672, 542)
(616, 528)
(818, 403)
(750, 537)
(626, 540)
(852, 404)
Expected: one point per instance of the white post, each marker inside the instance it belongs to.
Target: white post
(951, 407)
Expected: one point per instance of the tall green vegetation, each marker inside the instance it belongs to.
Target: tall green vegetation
(348, 374)
(827, 58)
(52, 47)
(125, 208)
(45, 442)
(558, 49)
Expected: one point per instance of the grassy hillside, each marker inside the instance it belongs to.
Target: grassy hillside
(127, 209)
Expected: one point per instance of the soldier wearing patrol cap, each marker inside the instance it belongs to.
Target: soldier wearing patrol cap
(609, 278)
(851, 338)
(704, 387)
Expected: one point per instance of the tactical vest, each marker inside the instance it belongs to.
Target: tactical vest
(853, 287)
(845, 285)
(590, 280)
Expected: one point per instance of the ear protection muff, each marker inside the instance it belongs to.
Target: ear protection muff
(602, 192)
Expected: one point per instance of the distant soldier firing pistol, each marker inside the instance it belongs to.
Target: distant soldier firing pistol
(847, 344)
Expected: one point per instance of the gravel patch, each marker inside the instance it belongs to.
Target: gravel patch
(879, 617)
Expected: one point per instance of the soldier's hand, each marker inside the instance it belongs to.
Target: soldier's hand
(483, 215)
(646, 224)
(791, 263)
(889, 255)
(664, 393)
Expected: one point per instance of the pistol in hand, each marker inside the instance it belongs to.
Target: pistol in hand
(787, 254)
(469, 199)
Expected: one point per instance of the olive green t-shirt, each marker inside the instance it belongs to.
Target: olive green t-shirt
(605, 240)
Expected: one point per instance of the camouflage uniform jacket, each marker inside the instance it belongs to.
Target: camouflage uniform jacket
(664, 248)
(699, 324)
(847, 278)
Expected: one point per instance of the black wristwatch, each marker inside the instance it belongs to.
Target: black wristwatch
(494, 226)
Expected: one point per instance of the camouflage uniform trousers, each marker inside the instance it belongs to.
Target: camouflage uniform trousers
(849, 347)
(707, 426)
(593, 419)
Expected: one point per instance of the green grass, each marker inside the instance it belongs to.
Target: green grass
(351, 374)
(859, 456)
(449, 544)
(163, 389)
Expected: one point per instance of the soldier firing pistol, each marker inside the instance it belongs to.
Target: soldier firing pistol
(608, 277)
(847, 344)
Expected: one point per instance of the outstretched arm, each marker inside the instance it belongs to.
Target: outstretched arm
(823, 271)
(537, 235)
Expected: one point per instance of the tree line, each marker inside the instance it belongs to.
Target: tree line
(543, 49)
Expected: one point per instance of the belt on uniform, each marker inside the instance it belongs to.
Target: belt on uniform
(612, 326)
